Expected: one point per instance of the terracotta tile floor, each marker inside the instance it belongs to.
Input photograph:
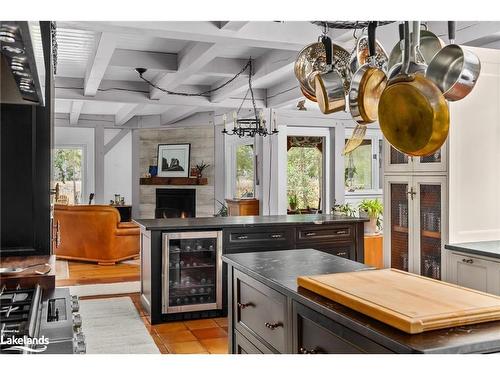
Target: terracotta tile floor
(204, 336)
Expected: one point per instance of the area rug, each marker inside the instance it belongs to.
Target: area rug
(113, 326)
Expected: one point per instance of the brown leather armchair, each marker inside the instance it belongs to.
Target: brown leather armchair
(94, 233)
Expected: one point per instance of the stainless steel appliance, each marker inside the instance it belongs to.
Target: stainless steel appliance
(36, 321)
(192, 271)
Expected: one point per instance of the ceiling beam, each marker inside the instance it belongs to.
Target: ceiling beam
(114, 141)
(70, 93)
(74, 114)
(98, 63)
(174, 114)
(192, 58)
(292, 35)
(126, 58)
(224, 67)
(266, 66)
(126, 112)
(232, 25)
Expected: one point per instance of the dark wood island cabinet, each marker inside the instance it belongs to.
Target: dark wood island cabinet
(269, 313)
(337, 235)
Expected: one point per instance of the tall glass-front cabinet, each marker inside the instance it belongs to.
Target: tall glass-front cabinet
(415, 212)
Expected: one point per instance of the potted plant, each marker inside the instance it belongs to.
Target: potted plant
(293, 202)
(343, 209)
(373, 209)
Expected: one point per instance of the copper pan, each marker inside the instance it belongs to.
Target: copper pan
(413, 113)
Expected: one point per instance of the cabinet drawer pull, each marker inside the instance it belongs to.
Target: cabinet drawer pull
(469, 261)
(339, 232)
(244, 305)
(273, 326)
(310, 234)
(276, 236)
(305, 351)
(342, 254)
(242, 237)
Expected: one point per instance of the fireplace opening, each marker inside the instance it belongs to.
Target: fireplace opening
(175, 203)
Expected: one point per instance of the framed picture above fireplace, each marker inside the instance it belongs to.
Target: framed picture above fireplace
(173, 160)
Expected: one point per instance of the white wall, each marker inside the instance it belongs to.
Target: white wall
(118, 167)
(474, 167)
(66, 136)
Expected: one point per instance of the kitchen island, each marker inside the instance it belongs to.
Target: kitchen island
(269, 313)
(167, 250)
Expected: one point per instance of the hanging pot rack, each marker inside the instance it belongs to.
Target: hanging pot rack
(345, 25)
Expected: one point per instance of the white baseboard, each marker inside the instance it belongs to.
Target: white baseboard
(105, 289)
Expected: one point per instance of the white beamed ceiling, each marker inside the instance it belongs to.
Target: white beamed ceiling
(162, 46)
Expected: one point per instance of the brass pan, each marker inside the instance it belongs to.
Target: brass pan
(413, 113)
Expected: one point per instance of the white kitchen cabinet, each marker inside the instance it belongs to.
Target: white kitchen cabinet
(396, 162)
(415, 223)
(474, 272)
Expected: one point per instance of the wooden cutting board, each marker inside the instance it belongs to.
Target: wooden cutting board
(409, 302)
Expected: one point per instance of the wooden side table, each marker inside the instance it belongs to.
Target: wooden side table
(374, 254)
(243, 207)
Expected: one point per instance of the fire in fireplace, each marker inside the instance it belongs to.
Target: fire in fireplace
(175, 203)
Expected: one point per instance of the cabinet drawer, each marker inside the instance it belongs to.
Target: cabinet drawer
(246, 346)
(316, 334)
(315, 233)
(260, 310)
(347, 251)
(251, 239)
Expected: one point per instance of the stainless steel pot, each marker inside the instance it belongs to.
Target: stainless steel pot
(330, 92)
(430, 44)
(417, 59)
(454, 70)
(361, 53)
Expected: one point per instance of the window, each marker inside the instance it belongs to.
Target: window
(245, 187)
(304, 173)
(363, 167)
(68, 173)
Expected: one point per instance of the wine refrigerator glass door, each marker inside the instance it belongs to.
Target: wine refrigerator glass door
(192, 271)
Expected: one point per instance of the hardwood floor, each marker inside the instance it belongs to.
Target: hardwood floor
(84, 273)
(204, 336)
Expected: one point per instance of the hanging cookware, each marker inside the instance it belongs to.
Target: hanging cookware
(357, 137)
(417, 60)
(310, 61)
(413, 113)
(361, 53)
(430, 44)
(454, 70)
(367, 84)
(331, 87)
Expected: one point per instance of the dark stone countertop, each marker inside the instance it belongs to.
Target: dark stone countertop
(243, 221)
(280, 269)
(484, 248)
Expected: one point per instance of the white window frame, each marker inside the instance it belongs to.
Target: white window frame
(375, 135)
(231, 147)
(327, 168)
(83, 147)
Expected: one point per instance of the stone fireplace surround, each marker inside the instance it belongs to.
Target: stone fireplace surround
(202, 149)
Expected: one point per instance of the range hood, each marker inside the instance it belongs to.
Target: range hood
(21, 64)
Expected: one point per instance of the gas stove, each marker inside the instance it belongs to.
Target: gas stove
(36, 321)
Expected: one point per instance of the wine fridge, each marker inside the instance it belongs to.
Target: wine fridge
(192, 271)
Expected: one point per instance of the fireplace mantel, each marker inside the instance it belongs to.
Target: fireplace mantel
(173, 181)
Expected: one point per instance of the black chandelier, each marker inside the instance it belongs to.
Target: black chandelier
(242, 127)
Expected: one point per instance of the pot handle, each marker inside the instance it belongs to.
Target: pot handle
(406, 52)
(451, 31)
(401, 31)
(327, 43)
(372, 26)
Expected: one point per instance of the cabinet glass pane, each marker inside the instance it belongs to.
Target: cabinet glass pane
(434, 158)
(192, 271)
(398, 157)
(399, 226)
(430, 231)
